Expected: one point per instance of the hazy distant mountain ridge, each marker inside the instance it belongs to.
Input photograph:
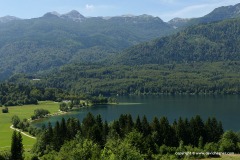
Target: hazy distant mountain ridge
(72, 15)
(6, 19)
(179, 22)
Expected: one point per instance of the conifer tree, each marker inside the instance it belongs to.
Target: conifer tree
(130, 123)
(16, 146)
(49, 133)
(57, 142)
(88, 122)
(138, 124)
(63, 130)
(146, 130)
(156, 131)
(197, 130)
(105, 131)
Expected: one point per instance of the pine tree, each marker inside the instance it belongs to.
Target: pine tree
(122, 123)
(116, 127)
(156, 131)
(166, 131)
(17, 146)
(63, 130)
(197, 130)
(105, 131)
(57, 140)
(98, 131)
(181, 131)
(88, 122)
(138, 125)
(146, 130)
(130, 123)
(49, 133)
(72, 128)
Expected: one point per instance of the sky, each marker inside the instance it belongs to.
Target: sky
(165, 9)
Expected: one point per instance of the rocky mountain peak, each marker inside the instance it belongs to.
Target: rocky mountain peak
(73, 15)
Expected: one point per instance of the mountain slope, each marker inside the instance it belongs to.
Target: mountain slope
(208, 42)
(40, 44)
(218, 14)
(53, 40)
(222, 13)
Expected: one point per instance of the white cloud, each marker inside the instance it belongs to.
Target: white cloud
(89, 7)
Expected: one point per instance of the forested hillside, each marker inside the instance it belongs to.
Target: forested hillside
(50, 41)
(203, 43)
(82, 57)
(218, 14)
(14, 95)
(191, 78)
(53, 40)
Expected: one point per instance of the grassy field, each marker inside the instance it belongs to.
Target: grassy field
(25, 111)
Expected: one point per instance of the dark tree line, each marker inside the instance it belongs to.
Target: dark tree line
(18, 94)
(197, 78)
(159, 132)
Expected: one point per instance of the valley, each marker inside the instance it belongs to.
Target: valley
(175, 86)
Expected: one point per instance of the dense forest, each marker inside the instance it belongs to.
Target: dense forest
(19, 94)
(202, 59)
(50, 41)
(12, 94)
(202, 43)
(28, 46)
(190, 78)
(126, 138)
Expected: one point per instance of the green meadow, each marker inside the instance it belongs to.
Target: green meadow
(25, 111)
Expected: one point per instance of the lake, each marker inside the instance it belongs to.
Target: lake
(224, 108)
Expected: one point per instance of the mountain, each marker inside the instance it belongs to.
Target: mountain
(53, 40)
(38, 44)
(7, 19)
(221, 13)
(218, 41)
(179, 22)
(218, 14)
(74, 16)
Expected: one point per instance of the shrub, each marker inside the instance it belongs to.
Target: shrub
(63, 107)
(39, 113)
(5, 110)
(15, 121)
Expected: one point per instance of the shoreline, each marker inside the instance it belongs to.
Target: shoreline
(63, 112)
(48, 115)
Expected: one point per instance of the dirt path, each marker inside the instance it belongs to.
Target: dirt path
(22, 132)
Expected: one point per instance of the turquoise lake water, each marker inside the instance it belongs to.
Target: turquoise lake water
(224, 108)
